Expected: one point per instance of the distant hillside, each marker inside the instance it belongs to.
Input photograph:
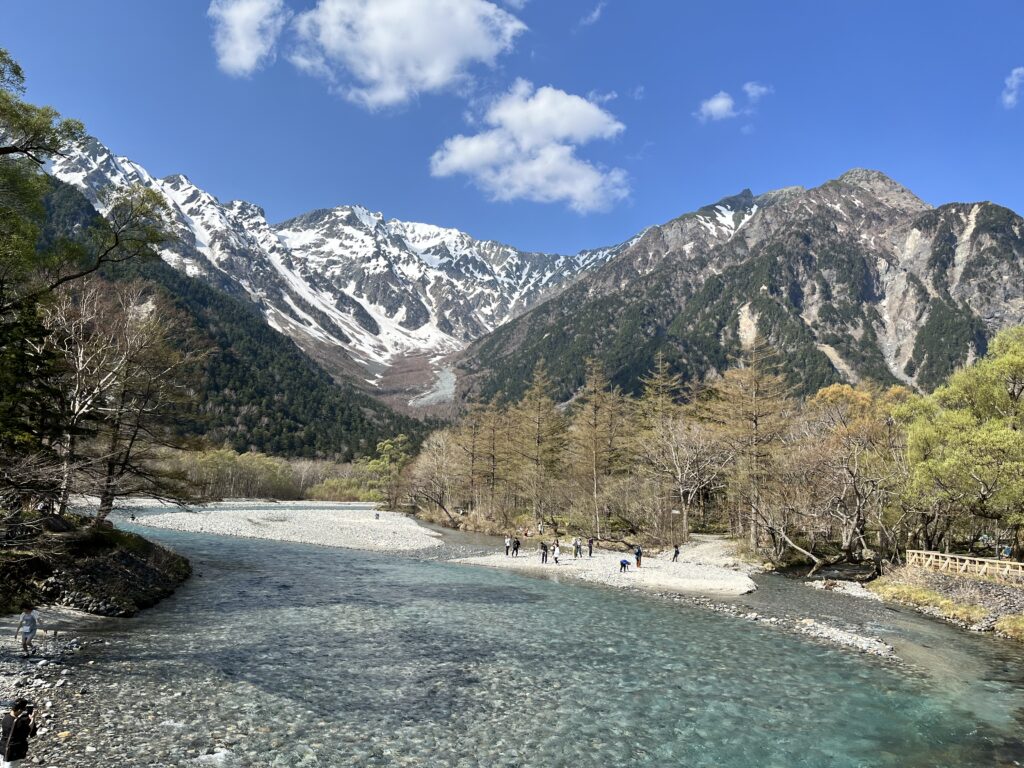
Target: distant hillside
(854, 280)
(259, 391)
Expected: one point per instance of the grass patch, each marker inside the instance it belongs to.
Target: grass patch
(1011, 626)
(927, 598)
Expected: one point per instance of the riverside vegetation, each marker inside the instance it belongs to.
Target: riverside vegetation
(850, 474)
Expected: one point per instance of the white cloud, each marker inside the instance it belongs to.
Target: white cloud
(594, 16)
(755, 91)
(529, 151)
(722, 106)
(719, 107)
(381, 53)
(245, 32)
(1013, 83)
(639, 92)
(602, 98)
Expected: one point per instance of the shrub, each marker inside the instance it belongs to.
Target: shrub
(1012, 626)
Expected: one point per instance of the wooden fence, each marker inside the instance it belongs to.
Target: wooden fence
(975, 566)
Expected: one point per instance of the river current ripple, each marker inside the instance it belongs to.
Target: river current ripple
(294, 655)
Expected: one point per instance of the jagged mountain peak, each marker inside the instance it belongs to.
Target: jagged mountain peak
(882, 187)
(856, 279)
(357, 291)
(741, 200)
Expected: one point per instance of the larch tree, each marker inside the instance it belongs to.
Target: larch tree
(538, 443)
(597, 438)
(751, 407)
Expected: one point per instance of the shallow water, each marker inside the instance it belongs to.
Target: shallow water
(290, 654)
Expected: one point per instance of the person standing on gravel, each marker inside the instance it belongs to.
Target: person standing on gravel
(675, 554)
(543, 552)
(508, 544)
(515, 547)
(557, 551)
(28, 623)
(17, 728)
(639, 553)
(590, 547)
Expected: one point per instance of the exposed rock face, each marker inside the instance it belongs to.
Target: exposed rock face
(857, 279)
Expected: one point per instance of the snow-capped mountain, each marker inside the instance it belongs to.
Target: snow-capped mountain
(356, 291)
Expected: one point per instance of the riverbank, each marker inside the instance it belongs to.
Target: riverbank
(705, 567)
(99, 570)
(970, 602)
(59, 679)
(332, 524)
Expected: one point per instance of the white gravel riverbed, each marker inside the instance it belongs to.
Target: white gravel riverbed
(353, 526)
(705, 567)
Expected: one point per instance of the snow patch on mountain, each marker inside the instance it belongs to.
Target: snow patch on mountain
(347, 278)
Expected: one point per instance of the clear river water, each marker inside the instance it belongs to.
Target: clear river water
(293, 655)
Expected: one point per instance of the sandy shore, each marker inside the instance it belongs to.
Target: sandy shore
(706, 566)
(352, 526)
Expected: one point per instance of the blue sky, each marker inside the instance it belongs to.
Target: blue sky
(580, 121)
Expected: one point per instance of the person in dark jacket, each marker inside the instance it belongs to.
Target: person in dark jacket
(543, 552)
(590, 547)
(17, 728)
(639, 553)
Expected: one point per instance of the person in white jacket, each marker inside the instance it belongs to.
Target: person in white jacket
(28, 623)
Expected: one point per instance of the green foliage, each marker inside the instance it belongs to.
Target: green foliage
(965, 442)
(225, 474)
(28, 130)
(942, 344)
(393, 456)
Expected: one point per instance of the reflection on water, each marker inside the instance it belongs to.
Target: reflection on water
(293, 655)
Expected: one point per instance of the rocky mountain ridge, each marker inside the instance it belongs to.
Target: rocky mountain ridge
(356, 291)
(857, 279)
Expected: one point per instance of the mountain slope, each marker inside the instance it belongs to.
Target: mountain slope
(258, 391)
(855, 279)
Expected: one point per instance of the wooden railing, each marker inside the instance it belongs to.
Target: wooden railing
(975, 566)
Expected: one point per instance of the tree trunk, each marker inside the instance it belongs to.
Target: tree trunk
(66, 470)
(107, 496)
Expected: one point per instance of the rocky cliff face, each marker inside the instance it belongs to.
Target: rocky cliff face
(855, 279)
